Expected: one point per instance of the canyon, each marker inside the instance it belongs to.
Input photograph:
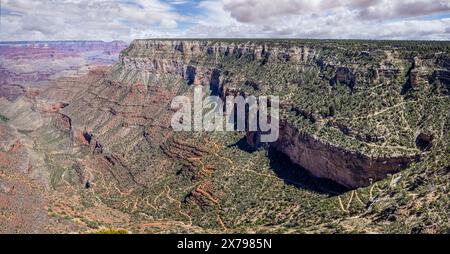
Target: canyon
(364, 126)
(29, 63)
(186, 59)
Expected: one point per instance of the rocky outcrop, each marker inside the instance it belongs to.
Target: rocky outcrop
(349, 168)
(81, 138)
(344, 76)
(443, 76)
(63, 122)
(11, 92)
(88, 139)
(415, 76)
(54, 107)
(180, 57)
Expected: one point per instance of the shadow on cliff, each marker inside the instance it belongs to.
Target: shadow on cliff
(297, 176)
(293, 174)
(243, 145)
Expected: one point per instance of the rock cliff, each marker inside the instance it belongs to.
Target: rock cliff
(351, 169)
(212, 63)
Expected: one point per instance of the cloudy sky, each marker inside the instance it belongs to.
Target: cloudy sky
(129, 19)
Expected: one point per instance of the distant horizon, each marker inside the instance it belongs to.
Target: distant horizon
(219, 39)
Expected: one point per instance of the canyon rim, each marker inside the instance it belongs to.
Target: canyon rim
(224, 116)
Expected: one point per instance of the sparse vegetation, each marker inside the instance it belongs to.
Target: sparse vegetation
(153, 180)
(110, 231)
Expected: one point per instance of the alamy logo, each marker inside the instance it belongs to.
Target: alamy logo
(241, 114)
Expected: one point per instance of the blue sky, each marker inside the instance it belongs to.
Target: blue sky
(130, 19)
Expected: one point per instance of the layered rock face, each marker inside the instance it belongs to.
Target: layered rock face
(198, 61)
(207, 63)
(349, 168)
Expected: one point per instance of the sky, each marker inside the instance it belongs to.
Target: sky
(136, 19)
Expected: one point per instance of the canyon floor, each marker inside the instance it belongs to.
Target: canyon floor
(364, 143)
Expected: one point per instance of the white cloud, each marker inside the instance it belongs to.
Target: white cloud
(251, 11)
(129, 19)
(85, 19)
(178, 2)
(369, 19)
